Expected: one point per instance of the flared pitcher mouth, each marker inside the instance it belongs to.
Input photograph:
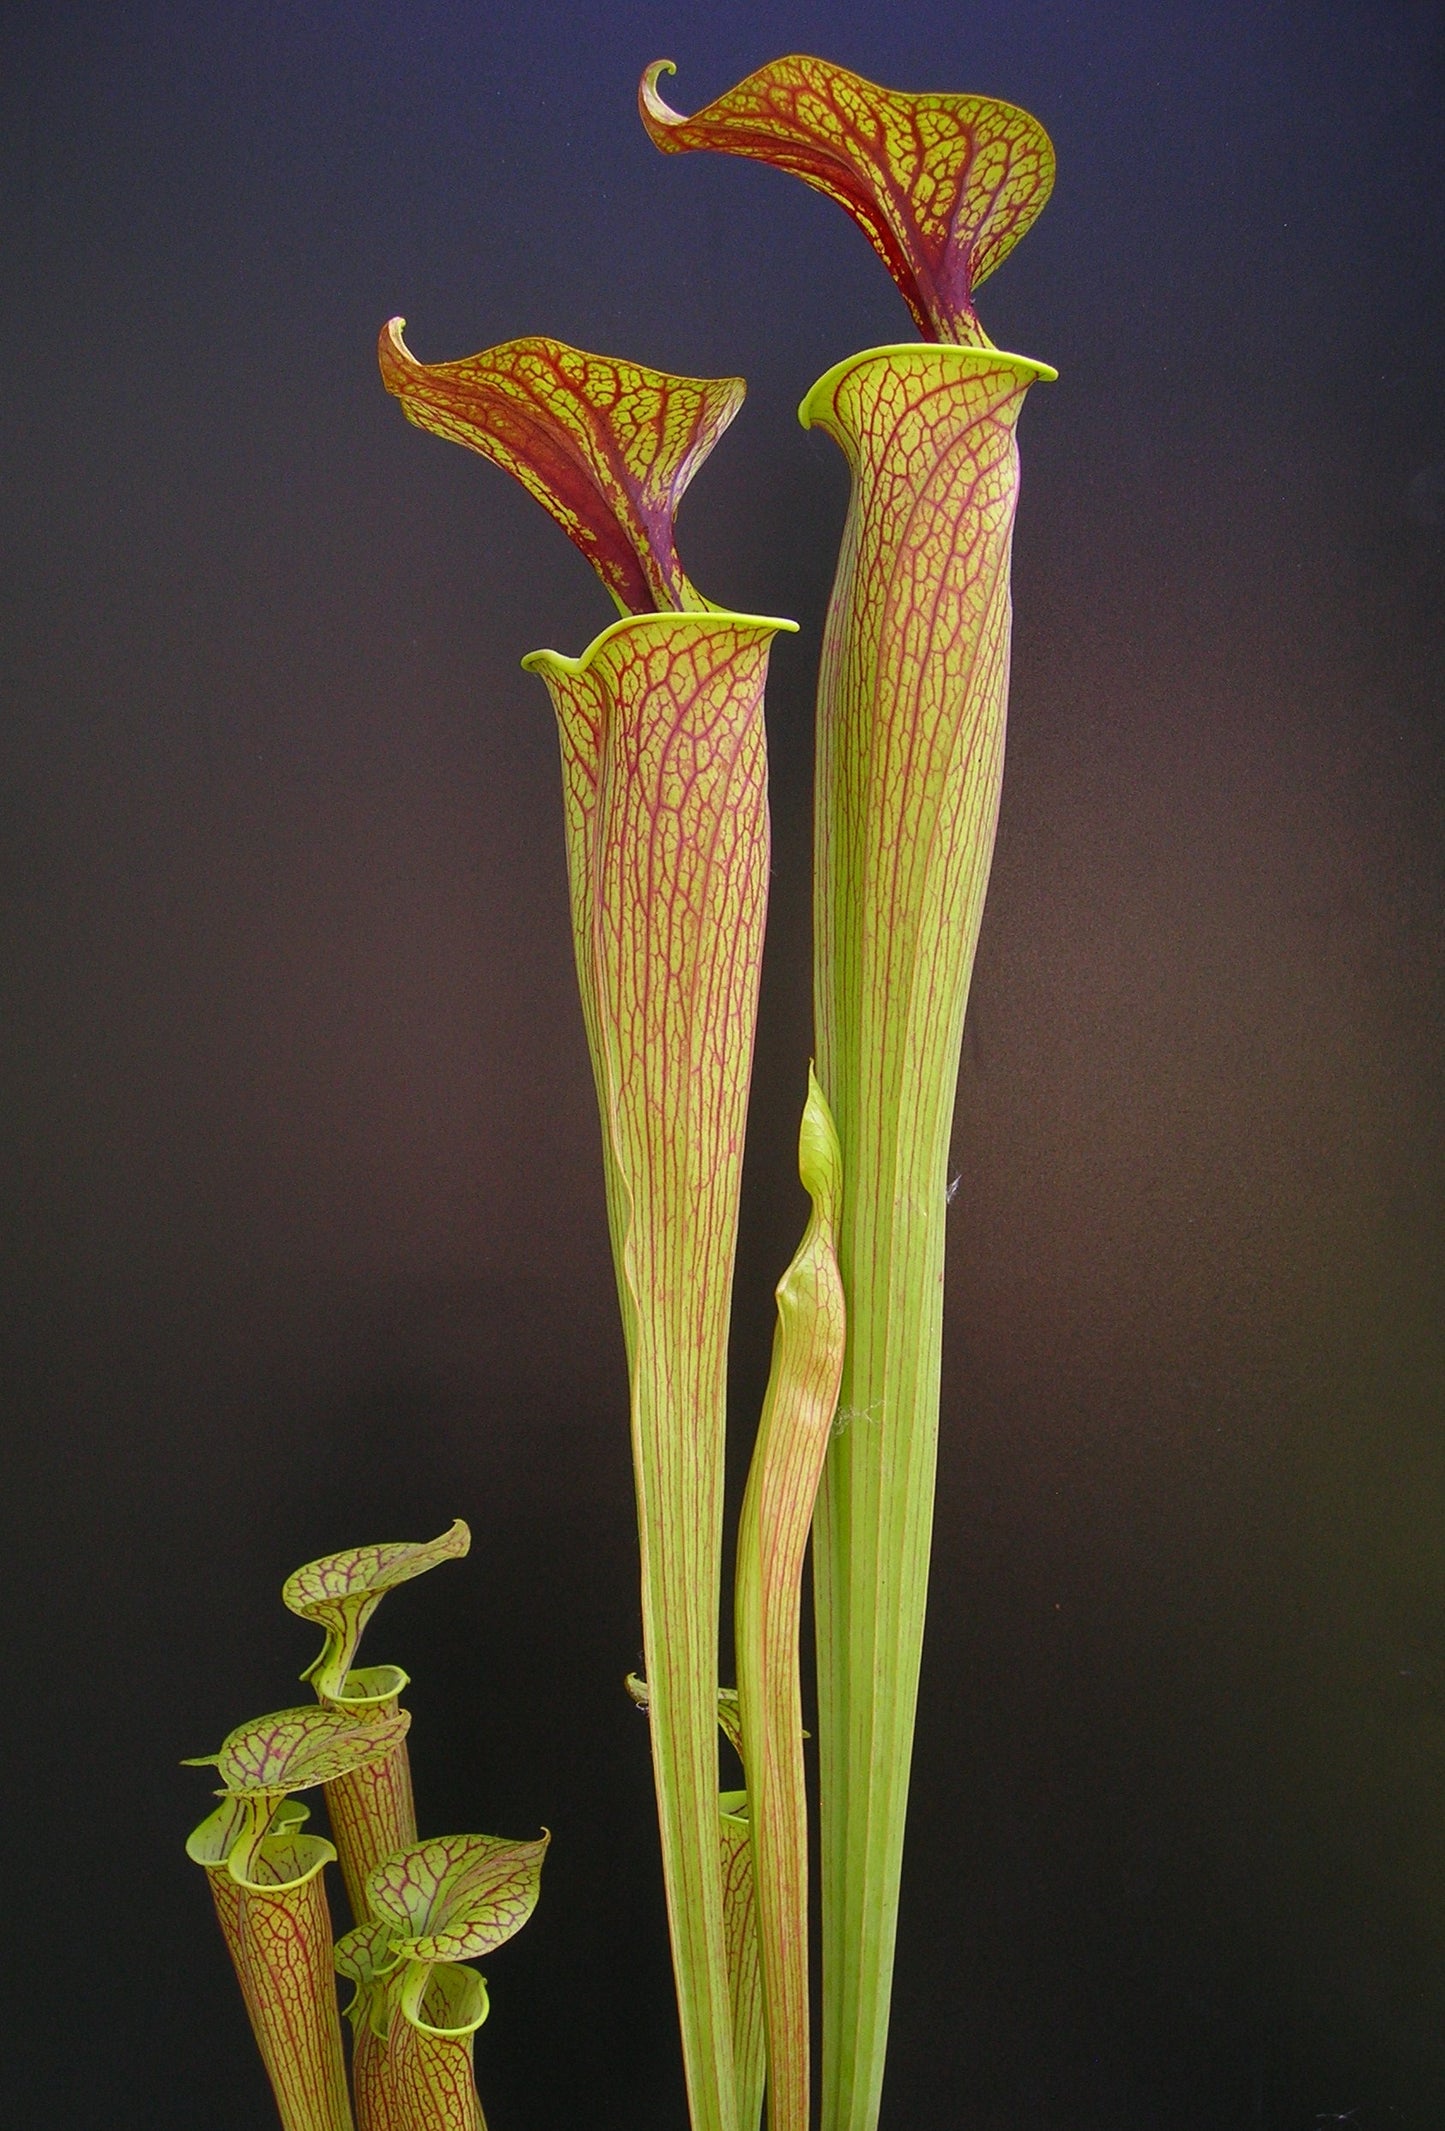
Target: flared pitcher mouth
(450, 1988)
(1026, 368)
(702, 620)
(281, 1864)
(369, 1687)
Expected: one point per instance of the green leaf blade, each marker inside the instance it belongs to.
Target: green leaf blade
(911, 711)
(668, 849)
(340, 1592)
(457, 1896)
(745, 1977)
(777, 1511)
(294, 1749)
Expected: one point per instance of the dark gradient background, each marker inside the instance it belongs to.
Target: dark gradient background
(304, 1239)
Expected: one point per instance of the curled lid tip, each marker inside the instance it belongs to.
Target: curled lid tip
(652, 105)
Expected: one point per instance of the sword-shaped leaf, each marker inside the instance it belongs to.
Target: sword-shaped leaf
(739, 1919)
(340, 1592)
(606, 446)
(943, 187)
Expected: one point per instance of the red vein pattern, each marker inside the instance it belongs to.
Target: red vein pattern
(745, 1980)
(372, 1814)
(374, 2015)
(664, 778)
(372, 2081)
(419, 2077)
(457, 1896)
(292, 1749)
(943, 187)
(210, 1846)
(413, 2020)
(340, 1592)
(263, 1761)
(606, 446)
(434, 2075)
(367, 1571)
(283, 1933)
(432, 2079)
(911, 708)
(434, 2083)
(773, 1526)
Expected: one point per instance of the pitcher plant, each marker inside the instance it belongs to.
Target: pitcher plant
(912, 697)
(660, 723)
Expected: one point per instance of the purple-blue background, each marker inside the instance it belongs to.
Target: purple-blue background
(304, 1239)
